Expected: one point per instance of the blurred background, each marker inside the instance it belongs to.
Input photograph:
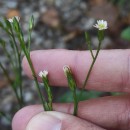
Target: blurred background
(61, 24)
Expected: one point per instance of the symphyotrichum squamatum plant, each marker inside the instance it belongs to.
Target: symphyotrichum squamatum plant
(15, 60)
(101, 25)
(18, 45)
(72, 85)
(43, 75)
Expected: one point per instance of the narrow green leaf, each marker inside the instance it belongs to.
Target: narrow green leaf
(88, 39)
(31, 26)
(31, 23)
(8, 24)
(16, 25)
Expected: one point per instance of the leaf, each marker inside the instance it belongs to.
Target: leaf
(68, 97)
(116, 93)
(8, 24)
(126, 34)
(16, 25)
(5, 25)
(31, 23)
(87, 37)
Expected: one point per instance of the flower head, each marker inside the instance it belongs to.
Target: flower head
(66, 69)
(11, 19)
(43, 73)
(101, 25)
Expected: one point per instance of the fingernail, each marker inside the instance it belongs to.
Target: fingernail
(44, 121)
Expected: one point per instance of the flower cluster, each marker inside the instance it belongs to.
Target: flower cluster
(66, 69)
(12, 19)
(101, 25)
(43, 73)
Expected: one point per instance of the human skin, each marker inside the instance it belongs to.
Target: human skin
(110, 73)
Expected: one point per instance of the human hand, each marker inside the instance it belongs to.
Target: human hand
(110, 73)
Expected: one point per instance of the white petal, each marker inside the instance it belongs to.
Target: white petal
(17, 17)
(96, 26)
(101, 25)
(10, 20)
(40, 74)
(45, 72)
(98, 21)
(65, 68)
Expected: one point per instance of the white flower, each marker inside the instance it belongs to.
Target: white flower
(101, 25)
(66, 69)
(11, 19)
(43, 73)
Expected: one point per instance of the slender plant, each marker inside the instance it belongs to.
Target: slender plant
(72, 85)
(13, 29)
(18, 45)
(101, 26)
(43, 75)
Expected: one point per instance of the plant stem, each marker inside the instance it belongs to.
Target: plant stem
(18, 59)
(89, 72)
(75, 103)
(20, 79)
(11, 83)
(48, 91)
(87, 37)
(27, 54)
(91, 51)
(15, 44)
(72, 85)
(18, 98)
(36, 83)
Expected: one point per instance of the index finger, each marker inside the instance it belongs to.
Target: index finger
(110, 72)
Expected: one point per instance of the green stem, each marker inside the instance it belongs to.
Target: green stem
(9, 56)
(91, 51)
(20, 79)
(36, 83)
(18, 58)
(27, 54)
(11, 83)
(50, 101)
(89, 72)
(29, 40)
(75, 103)
(45, 106)
(72, 85)
(18, 98)
(15, 44)
(48, 91)
(89, 44)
